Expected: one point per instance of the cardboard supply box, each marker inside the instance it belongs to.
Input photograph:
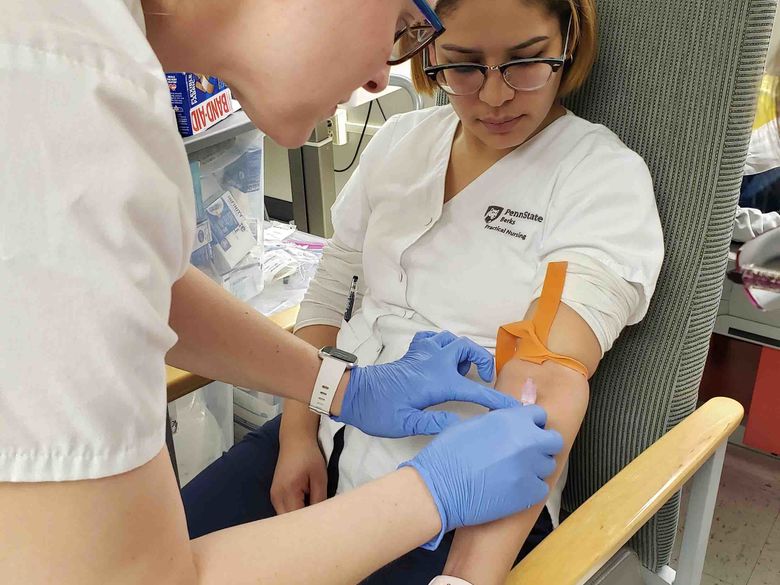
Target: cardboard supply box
(199, 101)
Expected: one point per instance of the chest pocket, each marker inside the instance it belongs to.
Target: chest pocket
(356, 337)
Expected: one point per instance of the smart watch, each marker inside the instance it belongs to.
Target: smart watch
(447, 580)
(334, 363)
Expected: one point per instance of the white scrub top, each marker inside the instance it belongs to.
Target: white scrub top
(573, 192)
(97, 224)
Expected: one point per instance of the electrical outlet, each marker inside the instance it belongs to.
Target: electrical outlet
(337, 127)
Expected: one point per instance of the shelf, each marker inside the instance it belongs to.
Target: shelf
(237, 123)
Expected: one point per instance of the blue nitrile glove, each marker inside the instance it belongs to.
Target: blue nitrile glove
(488, 467)
(388, 400)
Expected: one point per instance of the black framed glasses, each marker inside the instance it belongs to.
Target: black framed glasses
(414, 37)
(461, 79)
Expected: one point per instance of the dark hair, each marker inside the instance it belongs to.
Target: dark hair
(582, 43)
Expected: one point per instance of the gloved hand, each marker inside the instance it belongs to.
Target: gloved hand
(488, 467)
(388, 400)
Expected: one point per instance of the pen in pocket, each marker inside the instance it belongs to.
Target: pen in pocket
(351, 299)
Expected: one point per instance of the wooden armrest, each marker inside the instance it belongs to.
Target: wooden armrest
(181, 383)
(596, 530)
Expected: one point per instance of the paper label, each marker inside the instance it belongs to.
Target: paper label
(230, 232)
(211, 111)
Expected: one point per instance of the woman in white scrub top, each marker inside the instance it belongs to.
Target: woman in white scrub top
(96, 294)
(450, 223)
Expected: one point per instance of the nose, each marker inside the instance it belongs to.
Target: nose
(378, 81)
(496, 92)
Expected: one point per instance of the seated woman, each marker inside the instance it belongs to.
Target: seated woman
(450, 223)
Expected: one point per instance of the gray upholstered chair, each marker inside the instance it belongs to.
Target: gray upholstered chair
(677, 82)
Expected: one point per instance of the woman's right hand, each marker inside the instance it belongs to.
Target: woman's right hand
(301, 476)
(488, 467)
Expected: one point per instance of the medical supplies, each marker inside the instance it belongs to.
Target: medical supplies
(231, 236)
(280, 269)
(251, 410)
(202, 256)
(528, 392)
(198, 100)
(290, 259)
(196, 433)
(229, 197)
(236, 165)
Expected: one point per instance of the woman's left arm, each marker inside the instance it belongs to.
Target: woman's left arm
(483, 555)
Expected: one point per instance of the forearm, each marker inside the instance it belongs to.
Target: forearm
(483, 555)
(225, 339)
(130, 529)
(339, 541)
(298, 421)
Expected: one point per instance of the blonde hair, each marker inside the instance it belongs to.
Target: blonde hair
(582, 43)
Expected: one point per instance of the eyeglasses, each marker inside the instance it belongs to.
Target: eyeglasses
(414, 37)
(758, 270)
(520, 74)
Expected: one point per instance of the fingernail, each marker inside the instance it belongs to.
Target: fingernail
(528, 392)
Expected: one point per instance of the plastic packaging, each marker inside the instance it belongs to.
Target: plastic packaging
(281, 269)
(290, 272)
(236, 165)
(251, 410)
(199, 437)
(245, 281)
(202, 256)
(231, 236)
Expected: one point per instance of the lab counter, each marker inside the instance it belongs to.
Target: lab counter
(181, 383)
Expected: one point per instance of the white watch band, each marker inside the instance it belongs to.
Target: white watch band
(331, 371)
(447, 580)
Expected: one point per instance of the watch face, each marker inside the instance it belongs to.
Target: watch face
(339, 354)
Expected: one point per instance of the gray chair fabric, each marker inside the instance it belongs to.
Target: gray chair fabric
(677, 81)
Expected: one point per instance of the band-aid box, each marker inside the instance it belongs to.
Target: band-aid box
(199, 101)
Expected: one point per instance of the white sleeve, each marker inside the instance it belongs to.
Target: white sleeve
(326, 299)
(603, 220)
(97, 226)
(751, 223)
(342, 257)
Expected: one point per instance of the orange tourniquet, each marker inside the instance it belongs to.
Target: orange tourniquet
(532, 334)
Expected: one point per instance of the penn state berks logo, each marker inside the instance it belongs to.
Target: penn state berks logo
(493, 213)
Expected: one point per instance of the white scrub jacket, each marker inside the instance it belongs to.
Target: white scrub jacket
(97, 224)
(573, 192)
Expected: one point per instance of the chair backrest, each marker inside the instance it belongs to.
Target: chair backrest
(677, 81)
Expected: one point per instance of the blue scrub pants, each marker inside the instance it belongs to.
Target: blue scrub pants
(761, 191)
(236, 489)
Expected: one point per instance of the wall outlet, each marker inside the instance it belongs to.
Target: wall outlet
(337, 127)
